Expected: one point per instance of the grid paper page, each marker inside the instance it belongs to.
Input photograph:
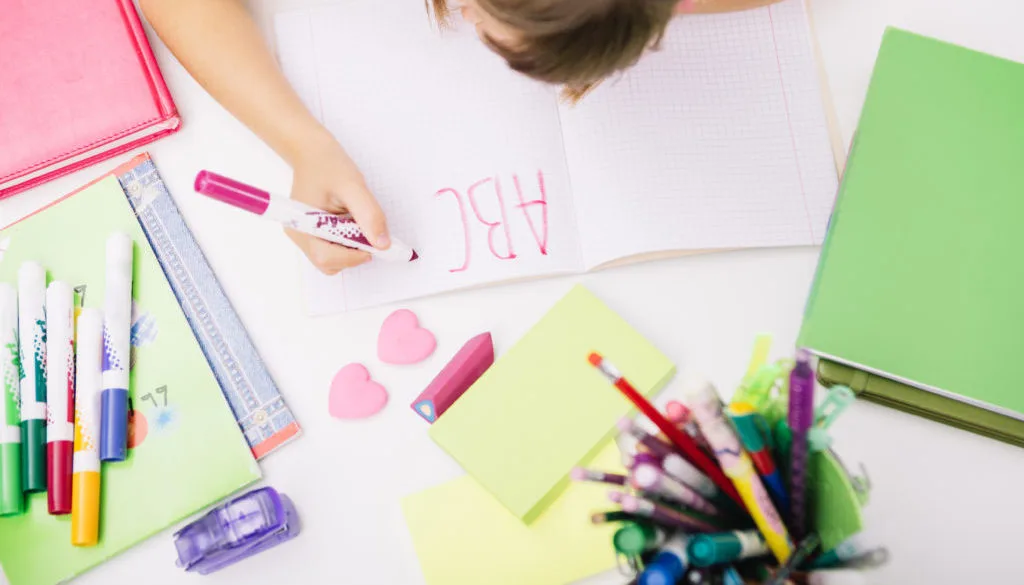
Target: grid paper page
(459, 150)
(718, 140)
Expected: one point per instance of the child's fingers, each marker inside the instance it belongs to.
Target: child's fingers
(328, 257)
(367, 212)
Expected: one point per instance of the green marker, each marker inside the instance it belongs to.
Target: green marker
(705, 550)
(32, 338)
(12, 501)
(634, 539)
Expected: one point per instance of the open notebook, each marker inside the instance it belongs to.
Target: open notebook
(717, 141)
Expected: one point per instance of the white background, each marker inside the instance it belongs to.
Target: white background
(945, 502)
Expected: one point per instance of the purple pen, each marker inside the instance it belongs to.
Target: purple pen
(665, 515)
(583, 474)
(801, 417)
(231, 532)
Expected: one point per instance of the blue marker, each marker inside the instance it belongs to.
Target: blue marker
(668, 566)
(117, 331)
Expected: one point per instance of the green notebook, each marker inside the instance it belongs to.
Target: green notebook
(542, 408)
(189, 452)
(923, 403)
(920, 277)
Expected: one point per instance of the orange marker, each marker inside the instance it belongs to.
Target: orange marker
(85, 483)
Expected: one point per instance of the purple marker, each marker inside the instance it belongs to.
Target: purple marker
(653, 479)
(340, 229)
(801, 417)
(231, 532)
(664, 515)
(583, 474)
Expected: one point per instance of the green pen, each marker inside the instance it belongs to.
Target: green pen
(12, 501)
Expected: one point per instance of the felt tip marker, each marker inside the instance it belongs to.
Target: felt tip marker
(340, 229)
(32, 337)
(60, 395)
(85, 485)
(117, 326)
(12, 501)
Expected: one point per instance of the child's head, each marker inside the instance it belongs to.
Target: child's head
(574, 43)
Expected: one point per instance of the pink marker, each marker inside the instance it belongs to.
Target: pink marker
(340, 229)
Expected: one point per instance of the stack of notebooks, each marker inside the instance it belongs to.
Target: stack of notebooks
(917, 300)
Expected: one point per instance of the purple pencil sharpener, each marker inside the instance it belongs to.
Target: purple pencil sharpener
(231, 532)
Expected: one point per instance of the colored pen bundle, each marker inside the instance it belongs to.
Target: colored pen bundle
(747, 492)
(64, 407)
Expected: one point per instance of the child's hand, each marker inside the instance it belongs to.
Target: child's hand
(326, 178)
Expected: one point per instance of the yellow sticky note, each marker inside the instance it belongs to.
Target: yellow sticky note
(542, 408)
(463, 536)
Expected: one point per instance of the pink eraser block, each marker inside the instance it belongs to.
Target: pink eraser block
(456, 377)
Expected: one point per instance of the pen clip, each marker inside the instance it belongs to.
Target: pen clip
(837, 400)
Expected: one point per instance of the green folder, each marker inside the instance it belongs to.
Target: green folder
(920, 278)
(188, 449)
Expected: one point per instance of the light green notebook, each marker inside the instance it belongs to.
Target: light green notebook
(920, 277)
(189, 450)
(542, 408)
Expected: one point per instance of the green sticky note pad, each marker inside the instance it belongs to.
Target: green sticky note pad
(483, 543)
(542, 408)
(187, 451)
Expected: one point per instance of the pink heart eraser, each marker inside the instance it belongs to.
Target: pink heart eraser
(354, 394)
(403, 341)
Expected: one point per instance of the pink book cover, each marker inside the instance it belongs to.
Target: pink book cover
(78, 85)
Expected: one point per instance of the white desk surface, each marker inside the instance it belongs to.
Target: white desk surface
(934, 486)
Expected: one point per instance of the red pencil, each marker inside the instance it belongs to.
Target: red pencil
(681, 440)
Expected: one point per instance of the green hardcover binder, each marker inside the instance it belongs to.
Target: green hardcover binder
(920, 279)
(923, 403)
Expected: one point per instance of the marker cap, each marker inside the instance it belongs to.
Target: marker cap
(59, 457)
(705, 550)
(33, 455)
(232, 192)
(634, 539)
(114, 432)
(85, 517)
(12, 501)
(665, 569)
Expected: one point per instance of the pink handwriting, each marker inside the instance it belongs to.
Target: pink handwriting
(492, 226)
(542, 240)
(465, 227)
(501, 226)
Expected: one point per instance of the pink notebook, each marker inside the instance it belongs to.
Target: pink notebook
(78, 85)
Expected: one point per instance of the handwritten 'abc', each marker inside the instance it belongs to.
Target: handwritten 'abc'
(500, 226)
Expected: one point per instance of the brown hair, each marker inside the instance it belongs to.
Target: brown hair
(574, 43)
